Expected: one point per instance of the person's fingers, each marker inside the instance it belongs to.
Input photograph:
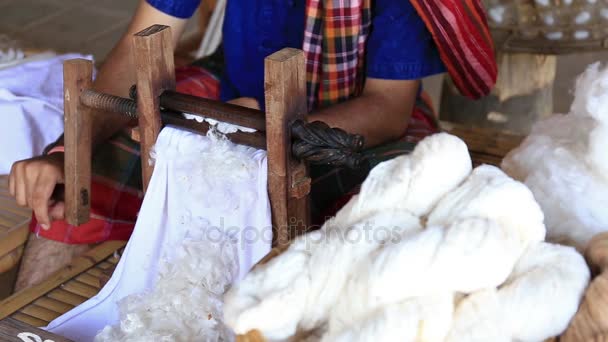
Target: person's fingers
(20, 189)
(41, 195)
(57, 211)
(11, 181)
(32, 173)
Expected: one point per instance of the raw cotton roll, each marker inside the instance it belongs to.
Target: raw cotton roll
(468, 245)
(306, 282)
(394, 261)
(420, 319)
(536, 302)
(414, 183)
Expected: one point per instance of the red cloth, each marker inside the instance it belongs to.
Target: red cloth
(108, 222)
(114, 207)
(462, 35)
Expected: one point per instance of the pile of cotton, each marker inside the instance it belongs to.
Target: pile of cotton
(430, 250)
(564, 162)
(186, 302)
(220, 126)
(201, 257)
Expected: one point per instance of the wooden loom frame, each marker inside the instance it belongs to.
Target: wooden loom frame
(285, 93)
(285, 102)
(288, 181)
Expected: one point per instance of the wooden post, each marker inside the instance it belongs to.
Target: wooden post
(288, 182)
(77, 76)
(155, 71)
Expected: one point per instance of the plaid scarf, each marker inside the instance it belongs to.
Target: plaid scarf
(337, 30)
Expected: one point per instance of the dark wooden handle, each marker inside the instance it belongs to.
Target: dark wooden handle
(318, 143)
(217, 110)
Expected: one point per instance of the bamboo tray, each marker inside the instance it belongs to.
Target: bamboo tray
(66, 288)
(14, 222)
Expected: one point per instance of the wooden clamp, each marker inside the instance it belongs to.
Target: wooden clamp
(155, 73)
(77, 76)
(285, 94)
(154, 102)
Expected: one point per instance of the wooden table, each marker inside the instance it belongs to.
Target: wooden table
(13, 228)
(14, 222)
(66, 288)
(13, 330)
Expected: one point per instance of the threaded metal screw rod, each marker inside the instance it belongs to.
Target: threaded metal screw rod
(109, 103)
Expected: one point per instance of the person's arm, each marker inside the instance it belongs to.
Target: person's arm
(117, 73)
(380, 114)
(399, 53)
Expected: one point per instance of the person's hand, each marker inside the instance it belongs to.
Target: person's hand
(32, 183)
(248, 102)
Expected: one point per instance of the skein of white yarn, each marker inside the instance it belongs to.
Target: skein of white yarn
(536, 302)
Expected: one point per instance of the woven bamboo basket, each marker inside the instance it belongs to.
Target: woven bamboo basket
(548, 26)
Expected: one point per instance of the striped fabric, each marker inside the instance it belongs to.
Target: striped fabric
(334, 46)
(460, 31)
(337, 30)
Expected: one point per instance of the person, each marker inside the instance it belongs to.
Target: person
(365, 61)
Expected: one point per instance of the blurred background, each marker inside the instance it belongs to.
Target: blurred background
(94, 26)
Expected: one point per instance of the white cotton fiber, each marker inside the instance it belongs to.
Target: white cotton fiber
(537, 301)
(564, 163)
(419, 319)
(414, 182)
(591, 94)
(186, 301)
(201, 259)
(222, 127)
(463, 255)
(553, 275)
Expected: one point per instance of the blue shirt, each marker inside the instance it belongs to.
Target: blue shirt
(399, 46)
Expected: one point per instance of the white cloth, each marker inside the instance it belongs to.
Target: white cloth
(196, 178)
(31, 108)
